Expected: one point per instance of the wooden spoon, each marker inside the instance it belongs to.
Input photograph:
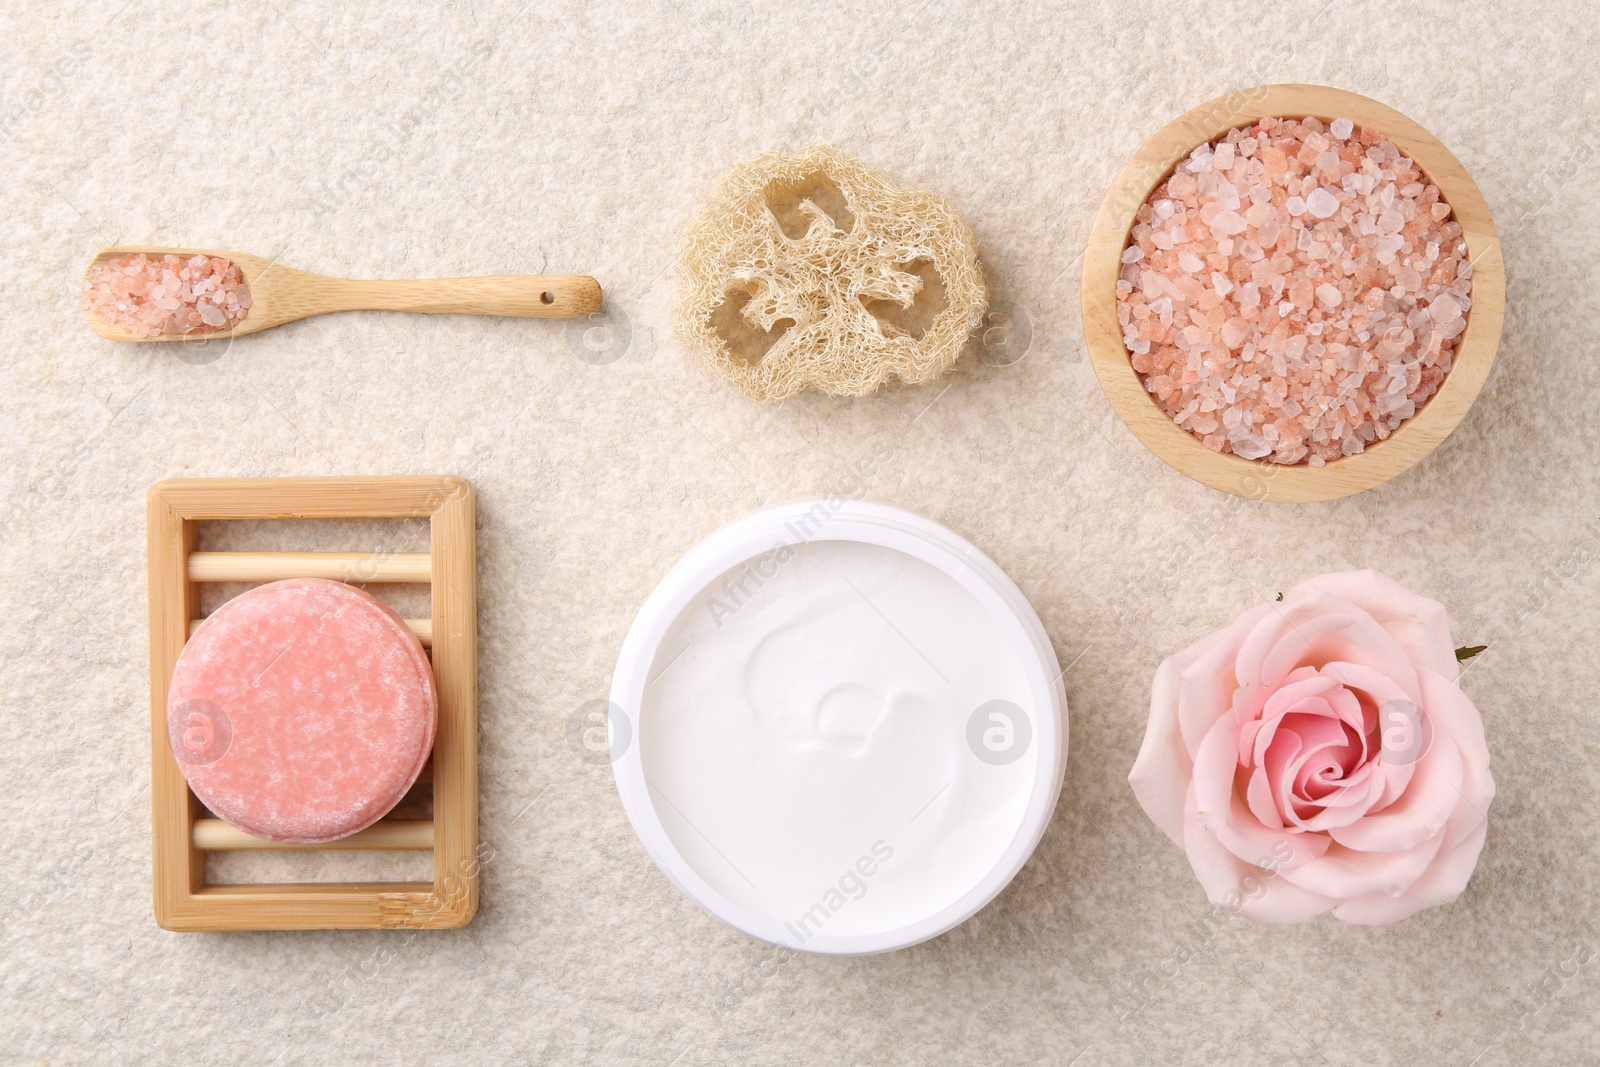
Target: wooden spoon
(280, 294)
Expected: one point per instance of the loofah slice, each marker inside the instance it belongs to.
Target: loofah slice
(812, 269)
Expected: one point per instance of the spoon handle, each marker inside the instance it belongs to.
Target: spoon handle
(546, 296)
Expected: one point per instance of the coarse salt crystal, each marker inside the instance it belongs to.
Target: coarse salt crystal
(1228, 223)
(1252, 447)
(1341, 128)
(1322, 203)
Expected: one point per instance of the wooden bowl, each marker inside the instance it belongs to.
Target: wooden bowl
(1258, 479)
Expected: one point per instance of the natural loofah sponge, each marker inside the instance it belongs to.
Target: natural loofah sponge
(812, 269)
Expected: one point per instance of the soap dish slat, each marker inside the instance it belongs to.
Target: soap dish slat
(183, 831)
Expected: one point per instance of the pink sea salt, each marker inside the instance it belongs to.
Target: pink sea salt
(170, 294)
(1294, 291)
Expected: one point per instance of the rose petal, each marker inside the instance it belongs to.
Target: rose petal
(1243, 888)
(1207, 684)
(1301, 686)
(1463, 836)
(1162, 770)
(1442, 883)
(1248, 701)
(1305, 695)
(1218, 809)
(1316, 777)
(1419, 624)
(1346, 873)
(1453, 713)
(1249, 734)
(1322, 739)
(1258, 642)
(1269, 806)
(1351, 803)
(1381, 687)
(1161, 773)
(1354, 804)
(1396, 777)
(1257, 706)
(1380, 690)
(1435, 791)
(1323, 629)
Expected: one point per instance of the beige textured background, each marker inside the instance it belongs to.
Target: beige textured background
(484, 138)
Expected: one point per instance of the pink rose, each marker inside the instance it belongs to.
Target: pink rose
(1318, 756)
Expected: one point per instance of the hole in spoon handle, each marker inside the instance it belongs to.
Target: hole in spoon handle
(564, 296)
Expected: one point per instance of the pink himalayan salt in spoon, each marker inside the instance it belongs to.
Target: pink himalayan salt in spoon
(270, 294)
(1294, 291)
(149, 296)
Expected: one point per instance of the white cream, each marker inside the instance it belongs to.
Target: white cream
(804, 734)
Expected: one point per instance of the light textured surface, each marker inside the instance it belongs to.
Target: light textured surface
(580, 138)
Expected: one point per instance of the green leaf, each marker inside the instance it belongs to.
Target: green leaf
(1466, 652)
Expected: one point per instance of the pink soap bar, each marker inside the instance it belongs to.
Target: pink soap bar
(302, 711)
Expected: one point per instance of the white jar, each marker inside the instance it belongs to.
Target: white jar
(838, 726)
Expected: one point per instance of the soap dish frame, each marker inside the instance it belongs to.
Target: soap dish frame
(182, 832)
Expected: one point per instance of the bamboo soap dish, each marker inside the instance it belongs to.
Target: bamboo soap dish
(183, 832)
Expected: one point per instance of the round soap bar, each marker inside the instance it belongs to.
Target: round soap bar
(302, 711)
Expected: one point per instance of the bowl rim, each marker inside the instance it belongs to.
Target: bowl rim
(1259, 479)
(841, 519)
